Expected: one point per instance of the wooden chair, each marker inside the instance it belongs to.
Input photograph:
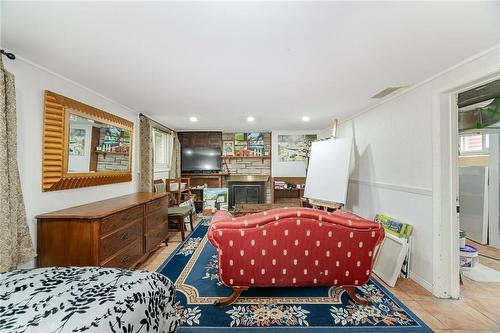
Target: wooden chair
(179, 194)
(178, 214)
(159, 185)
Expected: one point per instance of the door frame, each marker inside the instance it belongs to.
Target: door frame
(493, 195)
(446, 257)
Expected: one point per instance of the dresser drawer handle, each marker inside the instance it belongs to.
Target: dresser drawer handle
(124, 259)
(124, 236)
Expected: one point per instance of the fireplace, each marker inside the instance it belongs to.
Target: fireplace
(247, 190)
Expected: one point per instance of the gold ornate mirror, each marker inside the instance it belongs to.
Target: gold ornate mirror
(83, 146)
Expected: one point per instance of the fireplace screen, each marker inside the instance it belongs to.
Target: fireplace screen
(246, 193)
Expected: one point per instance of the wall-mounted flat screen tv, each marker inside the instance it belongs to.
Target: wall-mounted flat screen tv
(201, 159)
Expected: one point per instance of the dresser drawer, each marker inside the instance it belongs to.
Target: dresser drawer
(156, 236)
(155, 219)
(115, 221)
(127, 258)
(157, 204)
(116, 241)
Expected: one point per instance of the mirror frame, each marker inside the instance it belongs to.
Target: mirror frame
(55, 175)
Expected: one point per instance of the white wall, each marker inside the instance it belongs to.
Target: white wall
(288, 169)
(31, 82)
(394, 157)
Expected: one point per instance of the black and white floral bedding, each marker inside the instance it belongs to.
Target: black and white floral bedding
(86, 299)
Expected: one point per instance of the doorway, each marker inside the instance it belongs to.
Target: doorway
(478, 183)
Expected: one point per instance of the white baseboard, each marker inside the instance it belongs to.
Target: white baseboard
(418, 279)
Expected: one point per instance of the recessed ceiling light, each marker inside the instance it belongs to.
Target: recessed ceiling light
(193, 119)
(306, 118)
(250, 119)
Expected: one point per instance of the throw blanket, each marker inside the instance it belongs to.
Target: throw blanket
(86, 299)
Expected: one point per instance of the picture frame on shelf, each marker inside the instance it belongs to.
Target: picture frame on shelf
(240, 138)
(228, 148)
(255, 138)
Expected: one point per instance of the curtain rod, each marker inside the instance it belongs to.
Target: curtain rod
(146, 116)
(9, 55)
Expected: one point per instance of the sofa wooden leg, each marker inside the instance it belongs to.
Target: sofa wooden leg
(352, 293)
(232, 298)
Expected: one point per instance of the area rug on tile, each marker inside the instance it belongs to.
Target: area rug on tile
(194, 269)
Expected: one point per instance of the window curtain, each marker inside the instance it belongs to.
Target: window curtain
(145, 154)
(175, 165)
(16, 246)
(146, 143)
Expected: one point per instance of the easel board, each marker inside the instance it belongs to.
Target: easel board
(328, 171)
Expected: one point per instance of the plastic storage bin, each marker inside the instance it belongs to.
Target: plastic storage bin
(468, 257)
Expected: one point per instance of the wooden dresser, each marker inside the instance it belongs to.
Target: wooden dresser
(118, 232)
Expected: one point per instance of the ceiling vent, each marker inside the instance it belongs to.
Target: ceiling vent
(387, 91)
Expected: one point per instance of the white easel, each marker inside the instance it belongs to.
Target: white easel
(323, 204)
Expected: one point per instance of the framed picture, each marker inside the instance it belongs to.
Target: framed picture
(240, 138)
(214, 199)
(255, 138)
(228, 148)
(292, 148)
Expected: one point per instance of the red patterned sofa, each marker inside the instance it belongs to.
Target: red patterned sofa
(294, 247)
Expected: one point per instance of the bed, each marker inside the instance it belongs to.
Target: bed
(86, 299)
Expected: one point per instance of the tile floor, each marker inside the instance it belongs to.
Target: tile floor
(478, 309)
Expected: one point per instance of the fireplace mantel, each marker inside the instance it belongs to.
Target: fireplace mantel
(247, 178)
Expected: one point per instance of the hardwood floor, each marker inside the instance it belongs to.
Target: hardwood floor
(478, 309)
(488, 256)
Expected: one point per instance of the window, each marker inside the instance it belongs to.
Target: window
(474, 144)
(162, 150)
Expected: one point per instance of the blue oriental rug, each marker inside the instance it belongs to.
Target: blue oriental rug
(193, 268)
